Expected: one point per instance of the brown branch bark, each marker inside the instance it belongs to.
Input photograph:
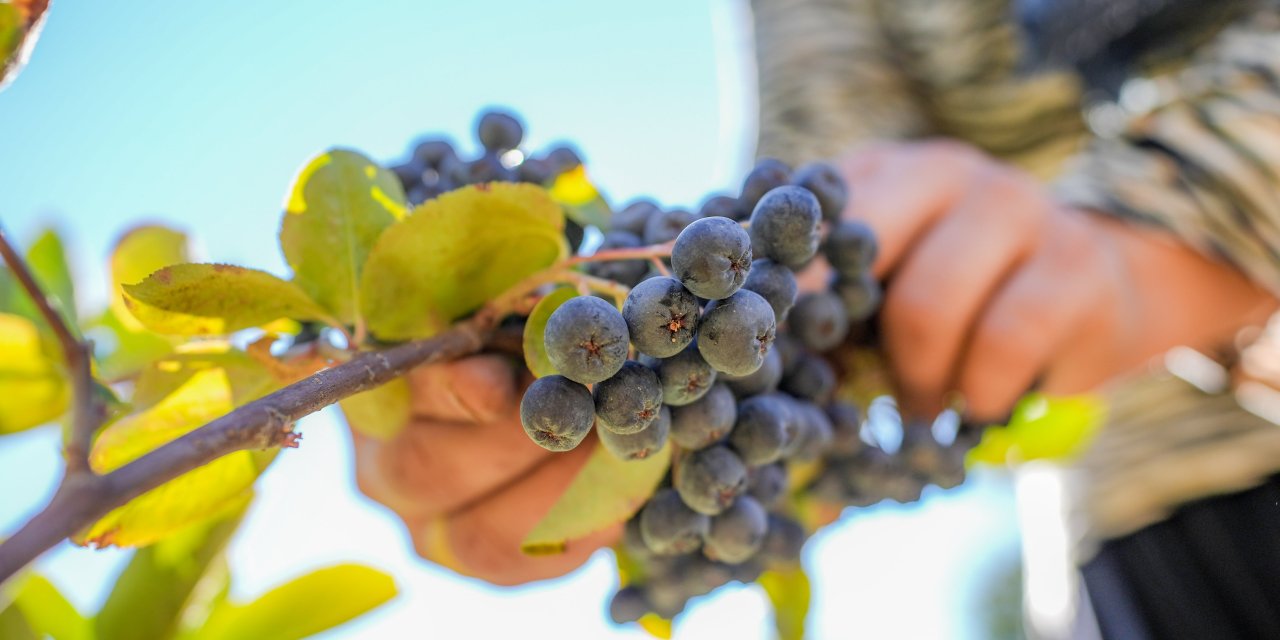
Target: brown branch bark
(82, 499)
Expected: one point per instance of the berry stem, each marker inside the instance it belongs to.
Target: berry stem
(659, 266)
(635, 253)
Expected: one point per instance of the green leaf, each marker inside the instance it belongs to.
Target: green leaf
(13, 626)
(216, 299)
(160, 582)
(10, 36)
(456, 252)
(32, 386)
(788, 590)
(20, 23)
(338, 206)
(605, 492)
(307, 605)
(47, 260)
(129, 349)
(535, 350)
(209, 491)
(46, 612)
(1042, 428)
(380, 412)
(582, 202)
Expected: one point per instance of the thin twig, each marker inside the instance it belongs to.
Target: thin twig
(88, 410)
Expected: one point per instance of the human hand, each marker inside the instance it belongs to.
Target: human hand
(466, 480)
(995, 288)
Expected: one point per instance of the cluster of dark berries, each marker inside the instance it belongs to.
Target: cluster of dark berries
(739, 399)
(715, 352)
(434, 166)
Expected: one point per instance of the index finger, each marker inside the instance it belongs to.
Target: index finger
(901, 190)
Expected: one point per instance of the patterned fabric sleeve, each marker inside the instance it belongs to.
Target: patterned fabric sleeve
(1205, 161)
(836, 73)
(828, 79)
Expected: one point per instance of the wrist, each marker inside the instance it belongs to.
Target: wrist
(1169, 294)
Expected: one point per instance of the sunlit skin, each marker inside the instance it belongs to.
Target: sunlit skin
(995, 289)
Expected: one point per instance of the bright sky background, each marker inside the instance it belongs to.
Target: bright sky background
(199, 114)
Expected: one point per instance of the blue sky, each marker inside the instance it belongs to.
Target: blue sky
(199, 114)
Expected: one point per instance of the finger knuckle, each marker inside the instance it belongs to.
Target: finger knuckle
(913, 317)
(1005, 337)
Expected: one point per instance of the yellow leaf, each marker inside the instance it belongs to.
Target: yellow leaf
(581, 199)
(338, 206)
(535, 349)
(209, 491)
(380, 412)
(32, 389)
(605, 492)
(216, 299)
(454, 253)
(1042, 428)
(788, 590)
(656, 626)
(305, 606)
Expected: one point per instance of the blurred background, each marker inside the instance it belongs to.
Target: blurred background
(199, 117)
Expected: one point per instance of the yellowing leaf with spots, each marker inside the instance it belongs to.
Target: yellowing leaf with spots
(137, 254)
(140, 252)
(209, 491)
(338, 206)
(454, 253)
(216, 299)
(32, 388)
(607, 491)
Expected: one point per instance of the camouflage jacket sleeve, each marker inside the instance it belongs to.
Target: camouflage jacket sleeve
(1204, 160)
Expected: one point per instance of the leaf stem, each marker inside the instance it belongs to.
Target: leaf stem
(88, 408)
